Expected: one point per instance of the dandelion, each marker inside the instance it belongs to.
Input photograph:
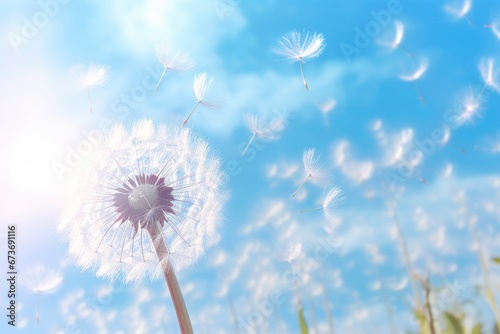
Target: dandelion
(201, 86)
(494, 28)
(413, 77)
(42, 280)
(149, 204)
(260, 128)
(173, 61)
(90, 76)
(325, 108)
(469, 108)
(330, 204)
(490, 75)
(314, 170)
(459, 11)
(290, 252)
(398, 38)
(298, 47)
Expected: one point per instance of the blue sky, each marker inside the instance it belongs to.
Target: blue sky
(376, 123)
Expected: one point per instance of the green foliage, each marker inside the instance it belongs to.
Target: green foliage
(453, 324)
(302, 321)
(422, 321)
(496, 260)
(478, 329)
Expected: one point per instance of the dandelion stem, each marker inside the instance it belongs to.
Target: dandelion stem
(481, 92)
(407, 260)
(313, 209)
(328, 312)
(420, 96)
(192, 111)
(88, 100)
(296, 191)
(303, 75)
(161, 77)
(37, 307)
(248, 145)
(173, 286)
(408, 53)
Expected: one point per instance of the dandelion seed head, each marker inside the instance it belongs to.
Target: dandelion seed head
(299, 47)
(331, 202)
(150, 176)
(419, 72)
(489, 73)
(327, 106)
(457, 10)
(469, 108)
(314, 169)
(201, 85)
(265, 129)
(42, 280)
(91, 75)
(290, 251)
(398, 36)
(174, 60)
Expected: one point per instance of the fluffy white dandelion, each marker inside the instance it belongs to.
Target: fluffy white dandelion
(201, 86)
(325, 108)
(173, 61)
(300, 47)
(459, 10)
(150, 202)
(290, 252)
(416, 75)
(469, 108)
(330, 204)
(263, 129)
(90, 76)
(314, 170)
(395, 43)
(40, 280)
(490, 74)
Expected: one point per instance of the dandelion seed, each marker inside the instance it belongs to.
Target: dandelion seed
(325, 108)
(290, 252)
(398, 38)
(470, 107)
(459, 11)
(42, 280)
(173, 61)
(201, 86)
(413, 77)
(494, 28)
(260, 128)
(330, 204)
(150, 203)
(90, 76)
(490, 75)
(314, 170)
(298, 47)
